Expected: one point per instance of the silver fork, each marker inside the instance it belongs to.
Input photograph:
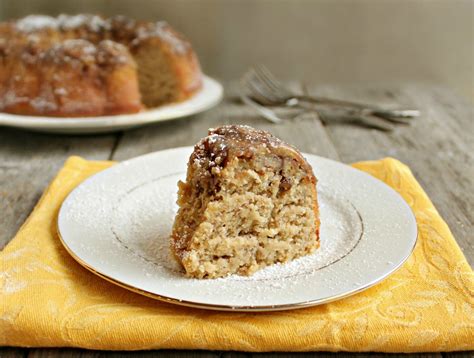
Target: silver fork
(265, 89)
(273, 117)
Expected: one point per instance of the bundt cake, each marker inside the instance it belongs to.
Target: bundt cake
(87, 65)
(249, 201)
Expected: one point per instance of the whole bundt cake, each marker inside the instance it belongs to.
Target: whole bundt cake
(87, 65)
(249, 201)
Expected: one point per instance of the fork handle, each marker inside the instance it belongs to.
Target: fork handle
(386, 113)
(332, 102)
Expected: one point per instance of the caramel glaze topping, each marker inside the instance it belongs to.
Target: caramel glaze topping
(222, 144)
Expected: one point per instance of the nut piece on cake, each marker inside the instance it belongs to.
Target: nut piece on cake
(249, 201)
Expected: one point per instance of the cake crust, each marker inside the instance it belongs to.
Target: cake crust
(249, 201)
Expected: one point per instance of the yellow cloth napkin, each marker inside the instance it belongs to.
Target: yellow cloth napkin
(50, 300)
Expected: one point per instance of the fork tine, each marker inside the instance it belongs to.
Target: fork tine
(255, 95)
(267, 76)
(249, 84)
(272, 82)
(268, 84)
(255, 87)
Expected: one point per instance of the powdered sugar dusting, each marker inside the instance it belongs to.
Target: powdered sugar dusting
(93, 22)
(162, 30)
(36, 22)
(142, 221)
(66, 22)
(42, 103)
(97, 24)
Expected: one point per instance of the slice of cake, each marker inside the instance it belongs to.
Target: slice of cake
(249, 201)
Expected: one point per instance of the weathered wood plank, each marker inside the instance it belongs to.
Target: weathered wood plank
(236, 355)
(468, 354)
(7, 352)
(345, 355)
(62, 352)
(82, 353)
(28, 162)
(305, 131)
(438, 147)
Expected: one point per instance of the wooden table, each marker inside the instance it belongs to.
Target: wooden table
(438, 147)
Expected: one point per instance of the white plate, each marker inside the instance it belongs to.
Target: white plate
(210, 95)
(117, 225)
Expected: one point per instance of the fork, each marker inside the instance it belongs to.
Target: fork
(270, 115)
(265, 89)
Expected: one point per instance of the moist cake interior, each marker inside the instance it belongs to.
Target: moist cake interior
(249, 201)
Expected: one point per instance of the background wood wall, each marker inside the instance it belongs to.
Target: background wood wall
(348, 41)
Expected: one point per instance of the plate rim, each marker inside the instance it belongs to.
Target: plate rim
(240, 308)
(229, 308)
(120, 120)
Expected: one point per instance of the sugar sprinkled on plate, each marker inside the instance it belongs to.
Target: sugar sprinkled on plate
(143, 218)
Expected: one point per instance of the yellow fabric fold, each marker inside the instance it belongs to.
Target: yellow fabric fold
(47, 299)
